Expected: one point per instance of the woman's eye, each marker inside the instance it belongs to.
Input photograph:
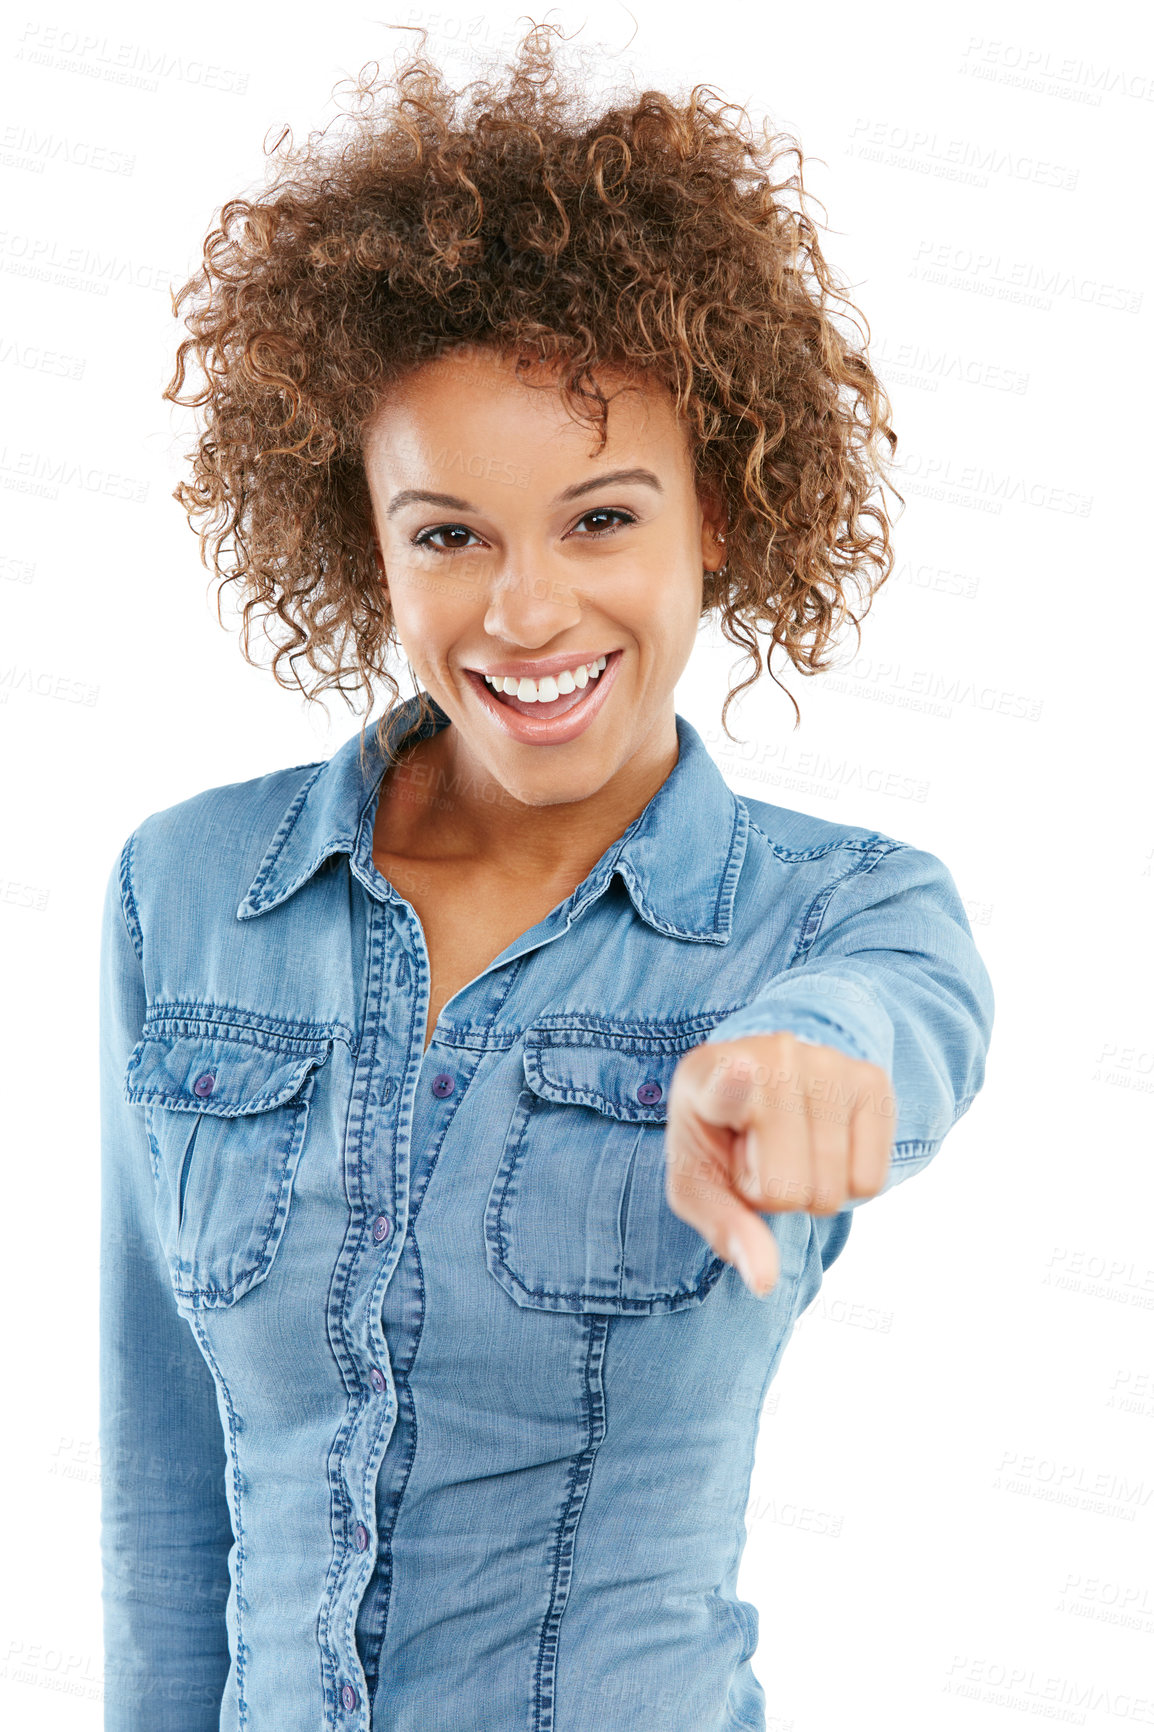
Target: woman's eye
(602, 513)
(452, 537)
(425, 538)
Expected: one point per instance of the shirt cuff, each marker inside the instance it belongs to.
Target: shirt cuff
(824, 1008)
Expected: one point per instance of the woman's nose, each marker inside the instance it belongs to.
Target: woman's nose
(529, 603)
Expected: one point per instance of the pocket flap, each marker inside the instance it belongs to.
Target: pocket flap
(226, 1074)
(624, 1076)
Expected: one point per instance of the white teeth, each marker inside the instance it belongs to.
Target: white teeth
(545, 690)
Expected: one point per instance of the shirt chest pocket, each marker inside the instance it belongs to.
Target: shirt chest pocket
(576, 1218)
(226, 1112)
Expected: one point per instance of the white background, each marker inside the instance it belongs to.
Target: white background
(952, 1518)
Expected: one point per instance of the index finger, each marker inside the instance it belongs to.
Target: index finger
(702, 1164)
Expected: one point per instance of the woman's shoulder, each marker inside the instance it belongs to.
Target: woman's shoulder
(216, 837)
(236, 805)
(795, 853)
(825, 867)
(793, 835)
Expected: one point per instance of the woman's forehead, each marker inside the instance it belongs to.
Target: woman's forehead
(484, 384)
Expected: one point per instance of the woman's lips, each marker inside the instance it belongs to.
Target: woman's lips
(547, 724)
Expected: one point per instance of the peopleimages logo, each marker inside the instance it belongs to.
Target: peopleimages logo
(812, 772)
(986, 489)
(481, 468)
(925, 367)
(132, 64)
(1027, 67)
(1023, 282)
(897, 145)
(893, 682)
(25, 147)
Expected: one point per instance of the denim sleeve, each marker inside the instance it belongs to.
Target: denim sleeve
(165, 1529)
(887, 971)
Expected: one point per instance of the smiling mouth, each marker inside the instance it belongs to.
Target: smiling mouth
(545, 707)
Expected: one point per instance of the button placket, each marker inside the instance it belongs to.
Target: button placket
(367, 1442)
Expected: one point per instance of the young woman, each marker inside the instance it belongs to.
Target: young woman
(482, 1105)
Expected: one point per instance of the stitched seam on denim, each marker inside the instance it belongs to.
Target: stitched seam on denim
(666, 927)
(800, 855)
(238, 1536)
(400, 1382)
(580, 1474)
(718, 932)
(186, 1014)
(135, 930)
(822, 1016)
(385, 1538)
(280, 836)
(495, 1218)
(573, 1094)
(731, 871)
(811, 925)
(665, 1034)
(344, 1350)
(338, 1515)
(252, 1104)
(912, 1148)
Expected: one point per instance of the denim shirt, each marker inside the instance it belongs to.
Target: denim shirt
(421, 1410)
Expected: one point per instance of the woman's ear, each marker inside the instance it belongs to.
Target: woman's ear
(379, 561)
(714, 526)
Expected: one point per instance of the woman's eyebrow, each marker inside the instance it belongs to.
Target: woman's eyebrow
(646, 476)
(450, 502)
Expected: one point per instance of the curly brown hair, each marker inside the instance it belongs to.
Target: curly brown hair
(653, 235)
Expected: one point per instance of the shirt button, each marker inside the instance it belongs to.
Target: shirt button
(389, 1089)
(203, 1084)
(377, 1379)
(443, 1084)
(348, 1697)
(361, 1536)
(381, 1228)
(649, 1093)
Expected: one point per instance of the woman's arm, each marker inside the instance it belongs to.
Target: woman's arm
(893, 1009)
(165, 1525)
(889, 973)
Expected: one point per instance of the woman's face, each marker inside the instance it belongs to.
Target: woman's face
(509, 549)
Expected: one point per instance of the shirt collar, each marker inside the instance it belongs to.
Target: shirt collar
(679, 859)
